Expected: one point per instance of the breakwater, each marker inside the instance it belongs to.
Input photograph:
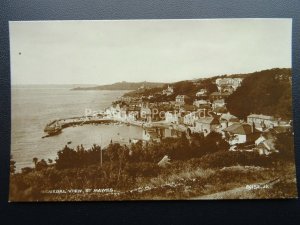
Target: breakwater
(79, 121)
(75, 121)
(59, 124)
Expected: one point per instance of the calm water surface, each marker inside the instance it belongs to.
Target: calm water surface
(34, 106)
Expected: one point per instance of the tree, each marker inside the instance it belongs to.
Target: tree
(285, 145)
(41, 165)
(35, 160)
(26, 170)
(68, 158)
(265, 92)
(12, 166)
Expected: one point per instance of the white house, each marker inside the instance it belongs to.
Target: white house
(180, 99)
(145, 113)
(201, 92)
(113, 112)
(206, 125)
(228, 84)
(189, 119)
(171, 117)
(265, 144)
(132, 116)
(156, 134)
(201, 103)
(219, 103)
(168, 91)
(150, 134)
(262, 122)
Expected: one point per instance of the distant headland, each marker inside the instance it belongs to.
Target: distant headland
(121, 86)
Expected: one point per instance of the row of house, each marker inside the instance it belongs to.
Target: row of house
(232, 129)
(128, 113)
(157, 133)
(256, 129)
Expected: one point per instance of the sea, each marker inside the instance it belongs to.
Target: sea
(33, 106)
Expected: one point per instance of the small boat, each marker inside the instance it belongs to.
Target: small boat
(69, 142)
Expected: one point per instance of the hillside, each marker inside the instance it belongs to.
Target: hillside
(187, 87)
(266, 92)
(121, 86)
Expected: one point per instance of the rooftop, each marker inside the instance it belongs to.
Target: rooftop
(208, 120)
(229, 117)
(239, 128)
(219, 94)
(221, 101)
(261, 116)
(201, 101)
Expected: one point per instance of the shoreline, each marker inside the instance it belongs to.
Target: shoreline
(81, 120)
(68, 122)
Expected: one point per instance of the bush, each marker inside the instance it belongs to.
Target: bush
(142, 169)
(70, 158)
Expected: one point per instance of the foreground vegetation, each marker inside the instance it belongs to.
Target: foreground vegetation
(198, 167)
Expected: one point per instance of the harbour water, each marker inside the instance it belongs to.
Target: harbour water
(34, 106)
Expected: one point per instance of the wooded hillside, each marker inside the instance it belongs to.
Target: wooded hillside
(267, 92)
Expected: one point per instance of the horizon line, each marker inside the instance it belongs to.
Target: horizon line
(145, 81)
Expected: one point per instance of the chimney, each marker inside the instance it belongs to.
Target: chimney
(252, 127)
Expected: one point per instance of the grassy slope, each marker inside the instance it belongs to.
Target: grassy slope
(190, 180)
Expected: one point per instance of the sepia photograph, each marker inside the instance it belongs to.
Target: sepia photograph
(161, 109)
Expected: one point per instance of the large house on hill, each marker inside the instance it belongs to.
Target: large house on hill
(168, 91)
(201, 93)
(228, 84)
(181, 99)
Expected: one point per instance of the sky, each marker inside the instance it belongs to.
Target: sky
(105, 52)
